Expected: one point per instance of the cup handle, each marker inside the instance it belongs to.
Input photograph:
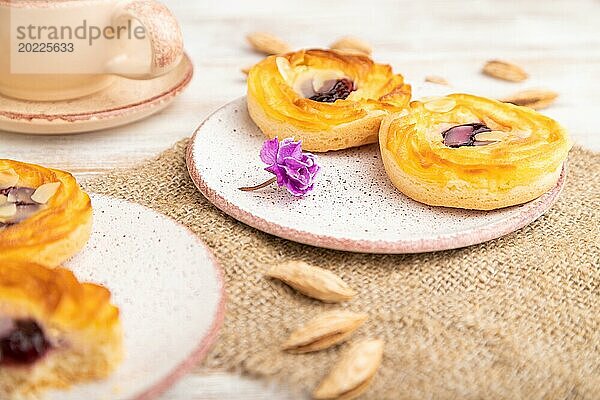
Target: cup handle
(162, 30)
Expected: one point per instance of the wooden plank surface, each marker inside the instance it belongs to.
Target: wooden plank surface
(557, 41)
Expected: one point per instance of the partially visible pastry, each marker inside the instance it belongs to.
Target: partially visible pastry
(54, 330)
(45, 217)
(328, 99)
(470, 152)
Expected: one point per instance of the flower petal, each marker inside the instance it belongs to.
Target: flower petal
(294, 163)
(294, 174)
(311, 161)
(294, 169)
(294, 190)
(300, 178)
(279, 172)
(268, 153)
(298, 191)
(314, 170)
(289, 148)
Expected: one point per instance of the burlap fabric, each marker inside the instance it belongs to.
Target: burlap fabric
(516, 318)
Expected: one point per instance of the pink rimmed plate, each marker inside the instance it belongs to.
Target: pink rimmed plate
(123, 102)
(354, 206)
(170, 292)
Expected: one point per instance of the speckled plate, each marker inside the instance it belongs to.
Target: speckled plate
(354, 206)
(123, 102)
(170, 292)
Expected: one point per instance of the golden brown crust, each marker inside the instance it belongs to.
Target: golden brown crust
(76, 317)
(281, 111)
(55, 298)
(520, 167)
(59, 230)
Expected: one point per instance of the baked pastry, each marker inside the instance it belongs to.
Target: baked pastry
(330, 100)
(470, 152)
(54, 330)
(45, 217)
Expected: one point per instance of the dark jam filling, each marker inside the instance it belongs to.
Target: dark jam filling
(464, 135)
(19, 195)
(24, 344)
(339, 91)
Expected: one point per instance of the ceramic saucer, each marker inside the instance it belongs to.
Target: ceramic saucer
(170, 292)
(123, 102)
(354, 206)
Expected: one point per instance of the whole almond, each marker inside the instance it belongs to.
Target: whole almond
(436, 79)
(324, 331)
(352, 43)
(353, 374)
(532, 98)
(505, 70)
(267, 43)
(312, 281)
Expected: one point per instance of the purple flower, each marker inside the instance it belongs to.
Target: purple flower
(294, 169)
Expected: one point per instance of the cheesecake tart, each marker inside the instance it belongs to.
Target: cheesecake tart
(54, 330)
(328, 99)
(471, 152)
(45, 217)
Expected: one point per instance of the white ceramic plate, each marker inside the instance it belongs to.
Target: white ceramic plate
(354, 206)
(169, 290)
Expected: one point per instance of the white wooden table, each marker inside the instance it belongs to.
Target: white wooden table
(557, 41)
